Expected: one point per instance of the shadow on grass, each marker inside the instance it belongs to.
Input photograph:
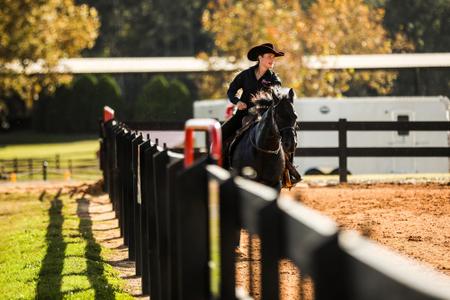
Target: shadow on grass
(50, 278)
(95, 269)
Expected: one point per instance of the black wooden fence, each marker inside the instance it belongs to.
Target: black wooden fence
(56, 167)
(181, 225)
(342, 151)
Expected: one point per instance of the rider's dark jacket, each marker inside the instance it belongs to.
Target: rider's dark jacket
(246, 80)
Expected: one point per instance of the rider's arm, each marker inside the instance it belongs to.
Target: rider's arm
(235, 85)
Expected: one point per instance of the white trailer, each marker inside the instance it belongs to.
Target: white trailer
(363, 109)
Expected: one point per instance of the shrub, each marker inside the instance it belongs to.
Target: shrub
(161, 100)
(77, 108)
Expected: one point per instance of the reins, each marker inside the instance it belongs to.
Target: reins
(264, 150)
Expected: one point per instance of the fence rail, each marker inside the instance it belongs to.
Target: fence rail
(181, 223)
(343, 151)
(57, 166)
(377, 126)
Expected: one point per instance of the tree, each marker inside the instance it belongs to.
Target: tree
(108, 93)
(41, 32)
(163, 100)
(77, 107)
(325, 28)
(426, 25)
(149, 27)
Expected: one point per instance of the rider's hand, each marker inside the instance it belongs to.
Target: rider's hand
(241, 105)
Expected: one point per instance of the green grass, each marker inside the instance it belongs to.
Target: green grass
(32, 137)
(74, 150)
(47, 251)
(28, 144)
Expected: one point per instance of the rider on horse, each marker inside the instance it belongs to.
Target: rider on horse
(250, 82)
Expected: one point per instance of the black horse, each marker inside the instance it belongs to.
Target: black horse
(271, 141)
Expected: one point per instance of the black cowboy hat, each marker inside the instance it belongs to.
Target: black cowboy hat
(262, 49)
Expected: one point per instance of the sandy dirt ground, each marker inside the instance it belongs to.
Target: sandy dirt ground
(413, 219)
(410, 218)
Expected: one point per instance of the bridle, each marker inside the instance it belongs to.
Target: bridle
(265, 150)
(291, 128)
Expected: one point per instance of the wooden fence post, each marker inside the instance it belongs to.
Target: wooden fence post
(212, 127)
(44, 170)
(16, 165)
(30, 168)
(57, 165)
(342, 126)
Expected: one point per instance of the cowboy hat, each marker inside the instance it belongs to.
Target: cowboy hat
(262, 49)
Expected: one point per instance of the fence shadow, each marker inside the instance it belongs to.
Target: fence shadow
(95, 269)
(50, 274)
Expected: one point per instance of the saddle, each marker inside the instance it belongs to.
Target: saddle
(290, 174)
(229, 145)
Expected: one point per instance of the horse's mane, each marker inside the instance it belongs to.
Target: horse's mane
(262, 101)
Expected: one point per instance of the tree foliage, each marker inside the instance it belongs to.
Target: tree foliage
(149, 27)
(41, 32)
(78, 106)
(323, 27)
(426, 24)
(144, 28)
(163, 100)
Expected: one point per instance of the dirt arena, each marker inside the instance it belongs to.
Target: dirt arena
(412, 219)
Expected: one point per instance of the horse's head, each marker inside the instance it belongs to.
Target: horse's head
(280, 101)
(286, 117)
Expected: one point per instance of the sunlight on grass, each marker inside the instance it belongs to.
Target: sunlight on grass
(69, 150)
(73, 156)
(29, 144)
(78, 285)
(48, 252)
(22, 244)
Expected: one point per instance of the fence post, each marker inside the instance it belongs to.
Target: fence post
(342, 150)
(30, 168)
(16, 165)
(57, 165)
(215, 137)
(108, 113)
(44, 169)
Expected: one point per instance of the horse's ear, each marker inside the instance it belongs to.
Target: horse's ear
(291, 95)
